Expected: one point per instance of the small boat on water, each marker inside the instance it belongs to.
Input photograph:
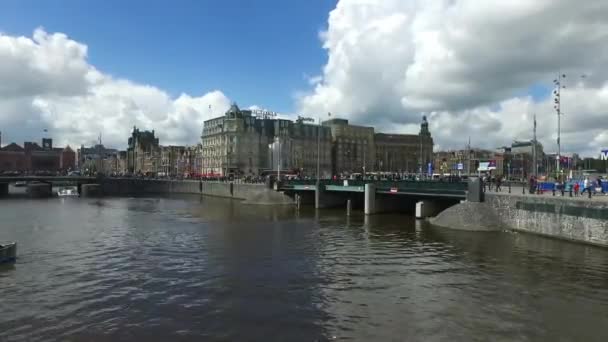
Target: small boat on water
(67, 192)
(8, 252)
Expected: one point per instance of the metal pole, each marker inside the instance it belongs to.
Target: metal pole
(279, 156)
(319, 150)
(534, 151)
(469, 162)
(420, 142)
(364, 148)
(558, 100)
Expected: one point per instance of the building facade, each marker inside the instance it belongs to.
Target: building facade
(170, 160)
(242, 144)
(353, 149)
(92, 158)
(237, 143)
(33, 157)
(143, 152)
(298, 144)
(409, 153)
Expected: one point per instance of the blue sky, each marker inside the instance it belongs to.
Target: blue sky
(256, 52)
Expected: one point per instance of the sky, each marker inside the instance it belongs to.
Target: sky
(475, 68)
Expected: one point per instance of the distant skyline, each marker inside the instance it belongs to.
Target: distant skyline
(475, 68)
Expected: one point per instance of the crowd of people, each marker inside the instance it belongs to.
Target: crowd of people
(574, 187)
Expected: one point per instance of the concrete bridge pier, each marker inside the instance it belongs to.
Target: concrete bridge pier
(90, 190)
(426, 208)
(370, 199)
(3, 189)
(381, 203)
(39, 190)
(306, 197)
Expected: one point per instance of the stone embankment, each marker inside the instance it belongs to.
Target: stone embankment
(558, 217)
(250, 193)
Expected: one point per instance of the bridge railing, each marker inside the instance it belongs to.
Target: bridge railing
(439, 187)
(387, 186)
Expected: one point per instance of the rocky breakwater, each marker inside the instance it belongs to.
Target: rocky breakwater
(471, 216)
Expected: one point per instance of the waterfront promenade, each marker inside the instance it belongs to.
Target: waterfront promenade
(520, 190)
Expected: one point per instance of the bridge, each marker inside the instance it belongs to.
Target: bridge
(427, 197)
(46, 179)
(40, 186)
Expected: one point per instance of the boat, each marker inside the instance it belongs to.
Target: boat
(20, 184)
(8, 252)
(67, 192)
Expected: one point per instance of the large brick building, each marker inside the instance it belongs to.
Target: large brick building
(33, 157)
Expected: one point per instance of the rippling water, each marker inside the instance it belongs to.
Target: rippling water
(209, 269)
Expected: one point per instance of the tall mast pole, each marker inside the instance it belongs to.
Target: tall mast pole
(469, 161)
(319, 150)
(557, 100)
(534, 150)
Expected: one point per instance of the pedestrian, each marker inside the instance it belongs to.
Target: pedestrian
(587, 185)
(498, 181)
(599, 184)
(532, 185)
(577, 187)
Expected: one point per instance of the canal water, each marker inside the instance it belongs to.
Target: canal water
(192, 269)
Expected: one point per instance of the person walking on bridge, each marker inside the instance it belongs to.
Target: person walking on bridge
(498, 182)
(587, 185)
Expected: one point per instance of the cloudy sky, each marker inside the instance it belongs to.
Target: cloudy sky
(478, 68)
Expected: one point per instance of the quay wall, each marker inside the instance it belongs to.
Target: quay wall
(250, 193)
(578, 220)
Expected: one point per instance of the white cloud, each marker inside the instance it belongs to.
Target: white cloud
(47, 83)
(466, 64)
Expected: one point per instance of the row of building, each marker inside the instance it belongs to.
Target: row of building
(255, 143)
(35, 157)
(519, 161)
(245, 143)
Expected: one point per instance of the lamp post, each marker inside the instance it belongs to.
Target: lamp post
(557, 105)
(318, 151)
(279, 156)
